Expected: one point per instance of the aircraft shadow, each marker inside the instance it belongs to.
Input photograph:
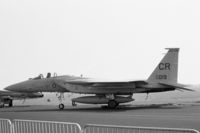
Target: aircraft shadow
(97, 109)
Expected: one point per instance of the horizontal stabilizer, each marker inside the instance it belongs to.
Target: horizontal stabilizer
(177, 86)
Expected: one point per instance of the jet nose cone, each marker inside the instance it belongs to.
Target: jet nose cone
(10, 88)
(15, 87)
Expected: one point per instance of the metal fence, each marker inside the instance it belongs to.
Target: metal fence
(92, 128)
(32, 126)
(5, 126)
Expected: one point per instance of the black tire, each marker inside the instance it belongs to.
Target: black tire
(61, 106)
(10, 103)
(112, 104)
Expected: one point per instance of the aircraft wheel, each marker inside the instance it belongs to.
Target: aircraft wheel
(112, 104)
(61, 106)
(11, 103)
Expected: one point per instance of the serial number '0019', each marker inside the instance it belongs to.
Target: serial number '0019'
(161, 76)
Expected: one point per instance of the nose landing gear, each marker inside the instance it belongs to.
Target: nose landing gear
(60, 96)
(61, 106)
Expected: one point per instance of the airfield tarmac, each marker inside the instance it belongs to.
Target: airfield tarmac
(150, 115)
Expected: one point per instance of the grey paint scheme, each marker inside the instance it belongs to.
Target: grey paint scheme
(163, 78)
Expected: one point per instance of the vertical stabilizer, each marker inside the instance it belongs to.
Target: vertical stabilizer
(167, 70)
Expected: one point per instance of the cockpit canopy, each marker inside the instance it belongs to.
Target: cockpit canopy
(42, 77)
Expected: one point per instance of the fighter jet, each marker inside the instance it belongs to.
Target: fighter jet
(112, 93)
(7, 97)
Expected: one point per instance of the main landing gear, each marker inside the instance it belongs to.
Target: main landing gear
(7, 101)
(10, 103)
(112, 104)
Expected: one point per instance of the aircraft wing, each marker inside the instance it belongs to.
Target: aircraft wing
(104, 83)
(177, 86)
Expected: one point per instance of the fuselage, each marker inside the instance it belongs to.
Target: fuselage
(65, 84)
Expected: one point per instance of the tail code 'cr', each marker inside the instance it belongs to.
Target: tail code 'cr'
(167, 70)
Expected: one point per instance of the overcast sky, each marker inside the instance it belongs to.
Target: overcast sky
(117, 39)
